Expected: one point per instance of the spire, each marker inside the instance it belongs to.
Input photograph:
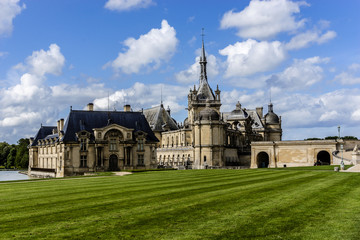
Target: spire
(203, 62)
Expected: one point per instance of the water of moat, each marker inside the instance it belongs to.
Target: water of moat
(12, 175)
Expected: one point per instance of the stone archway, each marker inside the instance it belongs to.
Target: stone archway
(262, 160)
(323, 158)
(113, 163)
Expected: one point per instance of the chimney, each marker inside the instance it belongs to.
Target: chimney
(90, 107)
(61, 124)
(259, 111)
(58, 126)
(127, 108)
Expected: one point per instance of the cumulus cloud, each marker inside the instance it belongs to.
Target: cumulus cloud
(304, 39)
(349, 77)
(250, 57)
(31, 101)
(125, 5)
(264, 19)
(8, 11)
(301, 74)
(142, 95)
(326, 110)
(150, 49)
(191, 75)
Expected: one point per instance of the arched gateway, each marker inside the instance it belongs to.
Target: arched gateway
(323, 158)
(262, 160)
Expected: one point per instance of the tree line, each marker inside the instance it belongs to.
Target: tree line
(334, 137)
(14, 155)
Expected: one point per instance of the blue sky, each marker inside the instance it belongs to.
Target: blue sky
(57, 54)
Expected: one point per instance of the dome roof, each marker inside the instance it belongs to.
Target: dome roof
(271, 118)
(238, 113)
(209, 114)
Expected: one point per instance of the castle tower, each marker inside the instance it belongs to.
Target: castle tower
(272, 125)
(197, 97)
(204, 118)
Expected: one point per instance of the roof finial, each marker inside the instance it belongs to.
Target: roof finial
(202, 34)
(161, 100)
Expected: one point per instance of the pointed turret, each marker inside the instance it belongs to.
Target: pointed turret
(203, 62)
(205, 91)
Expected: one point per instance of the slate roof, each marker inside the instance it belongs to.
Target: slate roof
(43, 132)
(257, 124)
(205, 92)
(159, 119)
(88, 120)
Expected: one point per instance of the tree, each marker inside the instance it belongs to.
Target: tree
(309, 139)
(350, 138)
(11, 157)
(331, 137)
(22, 153)
(4, 152)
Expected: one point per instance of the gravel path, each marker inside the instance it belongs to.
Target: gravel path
(122, 173)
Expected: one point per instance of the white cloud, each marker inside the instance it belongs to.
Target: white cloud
(301, 74)
(328, 116)
(31, 101)
(326, 110)
(8, 11)
(349, 77)
(142, 95)
(191, 75)
(125, 5)
(250, 57)
(264, 19)
(44, 62)
(152, 49)
(312, 36)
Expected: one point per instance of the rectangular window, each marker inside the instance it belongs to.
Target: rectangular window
(82, 144)
(112, 145)
(141, 160)
(83, 161)
(140, 145)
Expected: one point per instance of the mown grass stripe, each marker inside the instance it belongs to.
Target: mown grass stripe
(215, 204)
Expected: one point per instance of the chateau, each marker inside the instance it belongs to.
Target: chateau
(92, 141)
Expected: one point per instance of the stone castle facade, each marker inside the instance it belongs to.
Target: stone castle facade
(92, 141)
(209, 137)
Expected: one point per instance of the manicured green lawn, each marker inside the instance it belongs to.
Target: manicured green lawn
(194, 204)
